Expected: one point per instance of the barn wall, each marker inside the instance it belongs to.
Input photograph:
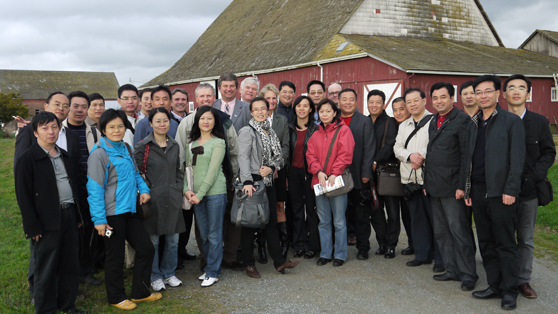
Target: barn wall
(542, 44)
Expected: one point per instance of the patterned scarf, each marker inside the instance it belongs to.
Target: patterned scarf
(272, 154)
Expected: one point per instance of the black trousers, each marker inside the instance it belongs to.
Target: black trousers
(127, 227)
(56, 273)
(422, 228)
(231, 234)
(406, 218)
(184, 237)
(353, 214)
(87, 264)
(387, 230)
(496, 224)
(305, 217)
(247, 235)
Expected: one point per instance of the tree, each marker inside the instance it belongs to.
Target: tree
(11, 104)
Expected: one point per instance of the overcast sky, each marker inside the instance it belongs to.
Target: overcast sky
(138, 40)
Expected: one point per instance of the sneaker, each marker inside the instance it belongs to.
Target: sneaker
(173, 282)
(209, 281)
(158, 285)
(202, 277)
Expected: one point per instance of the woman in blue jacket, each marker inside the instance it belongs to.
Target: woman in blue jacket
(113, 182)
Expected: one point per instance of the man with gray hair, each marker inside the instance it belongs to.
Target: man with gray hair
(249, 88)
(205, 96)
(179, 102)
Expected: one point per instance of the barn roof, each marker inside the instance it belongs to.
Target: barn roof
(253, 35)
(39, 84)
(553, 36)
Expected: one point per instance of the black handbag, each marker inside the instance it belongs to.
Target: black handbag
(250, 212)
(143, 210)
(389, 180)
(544, 192)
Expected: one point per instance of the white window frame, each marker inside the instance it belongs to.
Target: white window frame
(530, 99)
(554, 94)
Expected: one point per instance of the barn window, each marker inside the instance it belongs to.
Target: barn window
(37, 111)
(554, 94)
(455, 93)
(530, 99)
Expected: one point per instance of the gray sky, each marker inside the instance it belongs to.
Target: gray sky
(139, 41)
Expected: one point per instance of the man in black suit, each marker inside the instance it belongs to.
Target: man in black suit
(445, 186)
(358, 217)
(539, 157)
(238, 110)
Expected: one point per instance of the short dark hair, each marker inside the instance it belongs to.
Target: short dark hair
(465, 85)
(488, 78)
(125, 87)
(43, 118)
(411, 90)
(155, 111)
(327, 101)
(147, 90)
(440, 85)
(377, 92)
(81, 94)
(347, 90)
(96, 96)
(161, 88)
(517, 77)
(49, 98)
(227, 77)
(259, 98)
(109, 115)
(310, 115)
(180, 90)
(398, 99)
(217, 127)
(287, 83)
(314, 82)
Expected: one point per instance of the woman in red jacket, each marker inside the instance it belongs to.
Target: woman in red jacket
(341, 157)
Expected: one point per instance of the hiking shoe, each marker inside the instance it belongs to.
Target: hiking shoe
(158, 285)
(173, 282)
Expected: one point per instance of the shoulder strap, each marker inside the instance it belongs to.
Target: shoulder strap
(422, 123)
(331, 147)
(385, 132)
(94, 131)
(145, 156)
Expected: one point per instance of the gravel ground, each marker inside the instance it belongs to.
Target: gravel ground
(377, 285)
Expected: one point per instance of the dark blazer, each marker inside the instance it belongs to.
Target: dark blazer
(37, 192)
(504, 153)
(312, 127)
(539, 155)
(446, 156)
(241, 113)
(281, 127)
(365, 147)
(385, 154)
(286, 111)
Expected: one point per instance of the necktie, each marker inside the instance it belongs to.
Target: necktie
(227, 108)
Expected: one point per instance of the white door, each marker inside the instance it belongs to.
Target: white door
(392, 91)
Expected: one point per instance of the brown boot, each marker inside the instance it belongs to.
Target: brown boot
(527, 291)
(252, 272)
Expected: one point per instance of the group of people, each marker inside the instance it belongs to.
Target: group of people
(104, 164)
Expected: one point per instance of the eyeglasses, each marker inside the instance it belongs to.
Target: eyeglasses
(161, 121)
(259, 110)
(514, 89)
(134, 98)
(320, 92)
(486, 92)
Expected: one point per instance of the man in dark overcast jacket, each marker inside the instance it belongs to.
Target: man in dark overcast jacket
(445, 174)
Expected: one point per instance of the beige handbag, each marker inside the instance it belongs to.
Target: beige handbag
(189, 175)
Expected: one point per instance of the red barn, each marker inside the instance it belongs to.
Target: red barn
(360, 44)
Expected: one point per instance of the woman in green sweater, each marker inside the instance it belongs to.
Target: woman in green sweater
(205, 154)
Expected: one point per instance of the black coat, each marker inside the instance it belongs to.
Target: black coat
(312, 127)
(37, 192)
(540, 153)
(385, 154)
(504, 153)
(365, 146)
(445, 170)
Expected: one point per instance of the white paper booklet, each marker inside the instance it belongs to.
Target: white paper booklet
(320, 190)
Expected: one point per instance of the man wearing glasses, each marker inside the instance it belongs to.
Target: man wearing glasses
(128, 99)
(333, 92)
(316, 92)
(495, 161)
(160, 97)
(539, 156)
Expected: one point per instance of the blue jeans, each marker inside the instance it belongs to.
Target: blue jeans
(335, 207)
(210, 213)
(164, 269)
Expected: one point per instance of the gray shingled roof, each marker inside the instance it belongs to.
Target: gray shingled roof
(39, 84)
(553, 36)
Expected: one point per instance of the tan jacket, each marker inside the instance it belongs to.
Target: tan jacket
(88, 134)
(417, 144)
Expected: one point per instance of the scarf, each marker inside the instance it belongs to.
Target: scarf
(272, 154)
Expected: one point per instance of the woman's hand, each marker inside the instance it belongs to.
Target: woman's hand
(331, 180)
(101, 229)
(144, 198)
(194, 200)
(322, 177)
(189, 195)
(248, 189)
(265, 171)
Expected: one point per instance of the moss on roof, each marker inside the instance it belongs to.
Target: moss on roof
(415, 54)
(39, 84)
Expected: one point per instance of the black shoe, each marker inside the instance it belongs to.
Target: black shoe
(408, 251)
(299, 253)
(338, 262)
(486, 294)
(322, 261)
(390, 253)
(284, 250)
(509, 302)
(262, 253)
(445, 277)
(416, 262)
(380, 251)
(438, 268)
(236, 266)
(90, 279)
(187, 256)
(467, 285)
(309, 255)
(362, 255)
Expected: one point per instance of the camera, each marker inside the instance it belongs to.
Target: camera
(411, 189)
(108, 233)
